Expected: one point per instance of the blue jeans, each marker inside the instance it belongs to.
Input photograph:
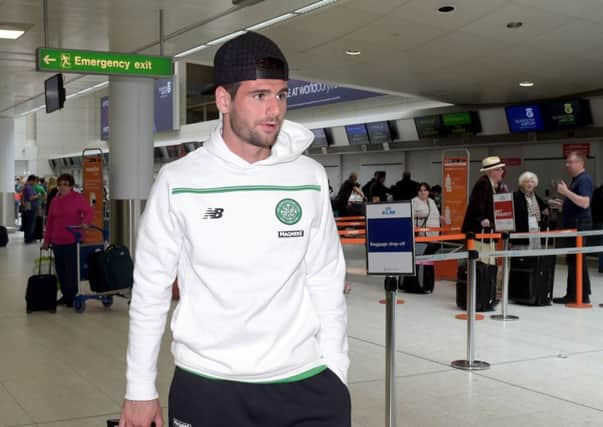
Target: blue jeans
(65, 261)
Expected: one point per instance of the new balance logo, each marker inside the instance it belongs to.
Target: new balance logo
(178, 423)
(213, 213)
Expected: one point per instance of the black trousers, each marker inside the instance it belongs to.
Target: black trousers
(65, 261)
(320, 401)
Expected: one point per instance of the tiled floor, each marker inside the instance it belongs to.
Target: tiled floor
(67, 370)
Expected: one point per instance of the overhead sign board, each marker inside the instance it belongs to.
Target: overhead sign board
(524, 118)
(94, 62)
(304, 93)
(390, 240)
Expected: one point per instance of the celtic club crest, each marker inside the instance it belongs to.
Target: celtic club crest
(288, 211)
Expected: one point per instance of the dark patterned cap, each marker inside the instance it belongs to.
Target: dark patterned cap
(250, 56)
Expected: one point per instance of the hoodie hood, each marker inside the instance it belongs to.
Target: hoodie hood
(292, 141)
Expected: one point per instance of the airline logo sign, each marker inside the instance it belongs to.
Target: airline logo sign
(390, 238)
(92, 62)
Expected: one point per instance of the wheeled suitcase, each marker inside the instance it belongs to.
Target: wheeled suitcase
(531, 280)
(41, 293)
(422, 282)
(3, 236)
(485, 284)
(115, 423)
(111, 269)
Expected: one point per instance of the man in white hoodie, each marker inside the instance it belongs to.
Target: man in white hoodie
(245, 224)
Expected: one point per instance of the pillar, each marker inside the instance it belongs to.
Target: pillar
(7, 172)
(131, 118)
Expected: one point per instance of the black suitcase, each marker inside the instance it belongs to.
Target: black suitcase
(41, 293)
(111, 269)
(531, 280)
(486, 287)
(3, 236)
(115, 423)
(421, 283)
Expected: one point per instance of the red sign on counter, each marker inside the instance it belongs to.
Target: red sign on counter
(582, 148)
(504, 219)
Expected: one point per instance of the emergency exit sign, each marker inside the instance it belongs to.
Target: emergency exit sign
(93, 62)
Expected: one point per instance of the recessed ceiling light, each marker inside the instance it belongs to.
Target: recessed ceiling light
(12, 31)
(446, 8)
(514, 24)
(526, 83)
(352, 52)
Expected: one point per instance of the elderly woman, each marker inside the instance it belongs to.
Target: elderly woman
(530, 210)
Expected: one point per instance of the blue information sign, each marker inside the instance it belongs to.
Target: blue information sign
(312, 94)
(390, 239)
(525, 118)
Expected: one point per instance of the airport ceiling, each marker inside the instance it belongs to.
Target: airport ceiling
(407, 47)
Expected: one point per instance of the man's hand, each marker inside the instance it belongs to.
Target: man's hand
(45, 245)
(562, 188)
(141, 413)
(485, 223)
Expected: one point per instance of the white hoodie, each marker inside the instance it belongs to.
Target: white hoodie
(259, 266)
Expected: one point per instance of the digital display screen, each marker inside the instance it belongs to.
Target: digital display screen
(379, 132)
(461, 123)
(566, 114)
(524, 118)
(357, 134)
(54, 93)
(320, 138)
(429, 126)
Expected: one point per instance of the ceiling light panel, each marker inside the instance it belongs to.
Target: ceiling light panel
(314, 6)
(270, 22)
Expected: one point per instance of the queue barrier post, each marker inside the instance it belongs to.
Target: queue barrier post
(470, 364)
(505, 295)
(579, 284)
(391, 289)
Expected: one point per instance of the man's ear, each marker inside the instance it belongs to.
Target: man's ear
(223, 100)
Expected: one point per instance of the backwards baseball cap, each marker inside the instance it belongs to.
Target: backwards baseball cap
(250, 56)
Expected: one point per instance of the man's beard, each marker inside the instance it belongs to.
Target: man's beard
(252, 136)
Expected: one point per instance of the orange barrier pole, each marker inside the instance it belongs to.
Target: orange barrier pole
(423, 239)
(350, 218)
(351, 233)
(488, 236)
(579, 284)
(353, 241)
(435, 229)
(351, 224)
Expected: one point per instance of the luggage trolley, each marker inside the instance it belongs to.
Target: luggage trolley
(84, 250)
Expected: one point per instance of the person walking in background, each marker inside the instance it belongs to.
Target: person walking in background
(576, 214)
(68, 208)
(261, 341)
(406, 188)
(342, 200)
(366, 188)
(40, 189)
(53, 190)
(378, 190)
(29, 202)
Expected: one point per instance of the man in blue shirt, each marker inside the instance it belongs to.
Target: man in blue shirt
(576, 214)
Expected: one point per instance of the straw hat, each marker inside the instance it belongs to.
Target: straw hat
(492, 162)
